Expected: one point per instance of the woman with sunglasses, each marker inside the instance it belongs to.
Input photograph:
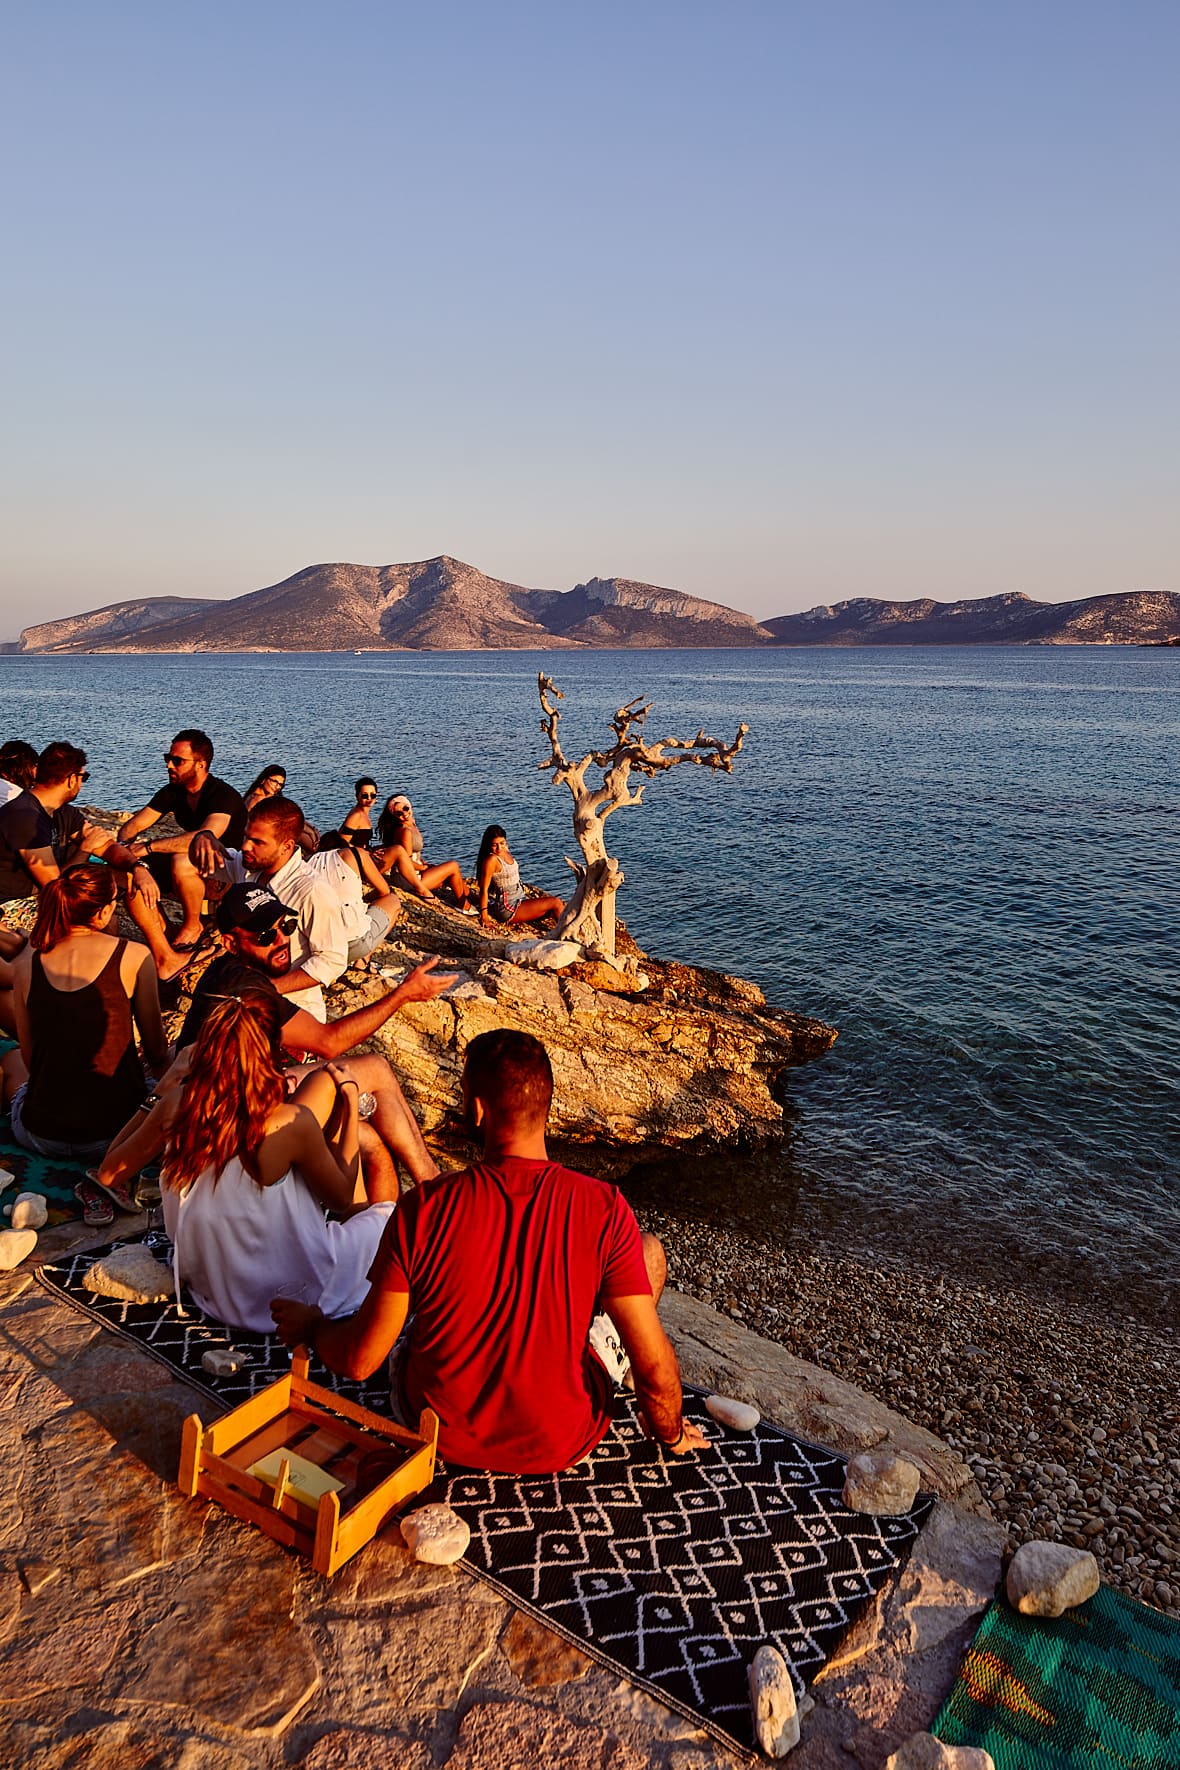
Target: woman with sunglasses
(360, 818)
(400, 855)
(250, 1173)
(79, 992)
(266, 785)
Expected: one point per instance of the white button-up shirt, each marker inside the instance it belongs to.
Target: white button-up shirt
(319, 944)
(345, 881)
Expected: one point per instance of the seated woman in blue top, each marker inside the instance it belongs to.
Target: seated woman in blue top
(501, 894)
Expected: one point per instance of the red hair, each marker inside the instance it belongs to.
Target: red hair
(70, 901)
(234, 1085)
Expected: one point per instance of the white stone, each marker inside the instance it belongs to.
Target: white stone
(30, 1211)
(923, 1752)
(435, 1534)
(544, 955)
(738, 1414)
(222, 1361)
(15, 1245)
(1046, 1579)
(6, 1178)
(131, 1275)
(880, 1483)
(772, 1703)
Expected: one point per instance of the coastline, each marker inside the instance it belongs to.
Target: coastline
(1068, 1417)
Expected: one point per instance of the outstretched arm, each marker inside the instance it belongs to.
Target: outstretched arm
(356, 1344)
(303, 1032)
(657, 1374)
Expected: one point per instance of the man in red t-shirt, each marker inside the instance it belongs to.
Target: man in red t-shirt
(504, 1267)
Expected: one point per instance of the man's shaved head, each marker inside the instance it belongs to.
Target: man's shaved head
(511, 1074)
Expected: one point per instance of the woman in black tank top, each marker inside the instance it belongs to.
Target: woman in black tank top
(83, 1076)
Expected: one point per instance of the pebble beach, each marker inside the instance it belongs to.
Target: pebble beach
(1069, 1420)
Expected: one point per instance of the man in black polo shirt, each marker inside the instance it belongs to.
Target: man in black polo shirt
(195, 800)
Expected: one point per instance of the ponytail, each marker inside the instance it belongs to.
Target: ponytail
(70, 901)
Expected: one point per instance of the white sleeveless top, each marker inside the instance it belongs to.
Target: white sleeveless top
(237, 1244)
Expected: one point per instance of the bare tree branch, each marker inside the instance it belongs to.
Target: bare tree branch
(589, 916)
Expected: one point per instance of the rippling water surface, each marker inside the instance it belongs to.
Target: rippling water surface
(966, 859)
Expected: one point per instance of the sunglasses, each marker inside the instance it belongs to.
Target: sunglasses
(84, 774)
(368, 795)
(285, 925)
(177, 761)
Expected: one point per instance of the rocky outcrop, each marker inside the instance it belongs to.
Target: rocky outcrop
(692, 1058)
(106, 627)
(1135, 617)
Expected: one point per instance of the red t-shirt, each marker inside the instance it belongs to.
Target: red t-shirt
(506, 1267)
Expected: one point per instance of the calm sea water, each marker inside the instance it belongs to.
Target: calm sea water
(966, 859)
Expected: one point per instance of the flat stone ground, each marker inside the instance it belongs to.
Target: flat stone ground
(141, 1629)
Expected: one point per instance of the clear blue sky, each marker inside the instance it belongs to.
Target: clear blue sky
(775, 303)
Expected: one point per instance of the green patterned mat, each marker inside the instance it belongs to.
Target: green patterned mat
(55, 1180)
(1097, 1686)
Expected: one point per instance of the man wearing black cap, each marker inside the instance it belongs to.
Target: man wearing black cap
(256, 930)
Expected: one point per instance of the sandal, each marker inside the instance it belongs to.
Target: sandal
(116, 1194)
(97, 1209)
(202, 944)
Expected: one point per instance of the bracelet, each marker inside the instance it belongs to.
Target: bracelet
(671, 1443)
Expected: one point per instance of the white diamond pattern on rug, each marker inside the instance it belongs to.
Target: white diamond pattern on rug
(673, 1570)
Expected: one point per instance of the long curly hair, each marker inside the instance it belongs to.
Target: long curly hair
(234, 1085)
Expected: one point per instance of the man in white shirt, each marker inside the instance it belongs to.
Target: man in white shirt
(270, 852)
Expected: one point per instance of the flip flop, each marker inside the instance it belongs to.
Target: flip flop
(199, 945)
(97, 1209)
(117, 1195)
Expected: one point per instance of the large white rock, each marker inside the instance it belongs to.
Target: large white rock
(1046, 1579)
(772, 1703)
(923, 1752)
(738, 1414)
(15, 1245)
(29, 1211)
(435, 1534)
(6, 1178)
(880, 1483)
(544, 955)
(130, 1274)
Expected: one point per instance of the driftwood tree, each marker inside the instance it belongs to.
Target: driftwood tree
(589, 917)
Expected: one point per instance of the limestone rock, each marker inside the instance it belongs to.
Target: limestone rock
(30, 1211)
(772, 1703)
(1046, 1579)
(6, 1178)
(435, 1534)
(880, 1483)
(130, 1274)
(15, 1246)
(543, 955)
(923, 1752)
(738, 1414)
(222, 1361)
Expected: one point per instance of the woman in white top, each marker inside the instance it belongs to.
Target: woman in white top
(250, 1175)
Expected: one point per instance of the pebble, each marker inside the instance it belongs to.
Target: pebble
(738, 1414)
(880, 1483)
(222, 1361)
(772, 1703)
(30, 1211)
(1047, 1579)
(15, 1246)
(435, 1534)
(923, 1752)
(130, 1274)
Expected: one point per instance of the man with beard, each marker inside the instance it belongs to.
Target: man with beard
(256, 930)
(505, 1268)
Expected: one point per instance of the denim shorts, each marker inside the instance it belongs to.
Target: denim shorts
(362, 946)
(50, 1146)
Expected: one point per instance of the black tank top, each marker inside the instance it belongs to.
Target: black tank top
(85, 1078)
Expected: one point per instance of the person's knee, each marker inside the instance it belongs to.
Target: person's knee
(656, 1262)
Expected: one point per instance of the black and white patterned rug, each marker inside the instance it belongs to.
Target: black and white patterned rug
(673, 1571)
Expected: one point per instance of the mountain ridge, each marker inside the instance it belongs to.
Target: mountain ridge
(443, 604)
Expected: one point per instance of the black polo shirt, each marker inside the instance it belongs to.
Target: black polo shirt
(216, 796)
(229, 976)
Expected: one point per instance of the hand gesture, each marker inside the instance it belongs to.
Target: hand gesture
(206, 853)
(145, 887)
(424, 982)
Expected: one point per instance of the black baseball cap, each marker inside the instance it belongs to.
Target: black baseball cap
(252, 907)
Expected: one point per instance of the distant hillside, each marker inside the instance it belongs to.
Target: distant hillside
(432, 605)
(110, 625)
(1136, 617)
(443, 605)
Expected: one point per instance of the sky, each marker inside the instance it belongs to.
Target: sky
(777, 304)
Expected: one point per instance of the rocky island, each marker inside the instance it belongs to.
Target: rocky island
(443, 604)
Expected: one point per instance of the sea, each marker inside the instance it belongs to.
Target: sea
(965, 858)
